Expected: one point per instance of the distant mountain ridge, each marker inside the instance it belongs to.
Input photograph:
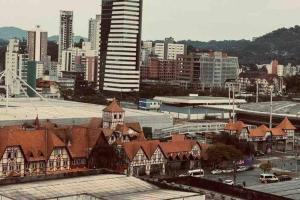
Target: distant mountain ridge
(7, 33)
(282, 44)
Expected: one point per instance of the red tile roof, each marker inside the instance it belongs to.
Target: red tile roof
(235, 126)
(113, 107)
(148, 147)
(259, 131)
(278, 132)
(286, 125)
(35, 144)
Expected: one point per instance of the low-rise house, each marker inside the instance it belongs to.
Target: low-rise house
(144, 157)
(239, 129)
(281, 137)
(182, 153)
(32, 153)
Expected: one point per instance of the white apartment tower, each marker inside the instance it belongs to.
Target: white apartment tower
(65, 32)
(121, 23)
(15, 66)
(37, 44)
(94, 32)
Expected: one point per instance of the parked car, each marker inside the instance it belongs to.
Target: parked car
(259, 153)
(228, 182)
(284, 178)
(183, 175)
(242, 169)
(228, 171)
(216, 171)
(196, 173)
(268, 178)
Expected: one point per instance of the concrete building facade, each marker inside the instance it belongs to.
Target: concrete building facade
(94, 32)
(65, 32)
(119, 57)
(37, 44)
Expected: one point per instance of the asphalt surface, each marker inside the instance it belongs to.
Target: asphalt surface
(283, 163)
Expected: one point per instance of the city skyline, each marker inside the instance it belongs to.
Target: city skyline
(252, 19)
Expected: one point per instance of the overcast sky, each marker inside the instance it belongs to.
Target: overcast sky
(183, 19)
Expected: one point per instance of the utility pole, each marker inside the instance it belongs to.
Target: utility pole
(257, 92)
(229, 95)
(271, 106)
(233, 103)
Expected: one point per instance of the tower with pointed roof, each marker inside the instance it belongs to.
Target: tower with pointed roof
(113, 115)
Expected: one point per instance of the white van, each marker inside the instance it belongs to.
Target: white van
(268, 178)
(196, 173)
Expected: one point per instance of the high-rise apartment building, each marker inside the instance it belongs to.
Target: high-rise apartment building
(15, 66)
(65, 32)
(94, 32)
(121, 23)
(37, 44)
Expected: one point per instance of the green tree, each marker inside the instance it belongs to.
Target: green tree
(220, 152)
(266, 167)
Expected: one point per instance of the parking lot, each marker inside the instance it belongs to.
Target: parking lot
(280, 164)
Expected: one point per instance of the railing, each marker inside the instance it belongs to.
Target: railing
(189, 128)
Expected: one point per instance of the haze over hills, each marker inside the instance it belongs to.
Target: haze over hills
(7, 33)
(282, 44)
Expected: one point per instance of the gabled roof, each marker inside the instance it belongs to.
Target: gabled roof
(286, 125)
(148, 147)
(135, 126)
(259, 131)
(35, 144)
(79, 140)
(178, 145)
(235, 126)
(113, 107)
(278, 132)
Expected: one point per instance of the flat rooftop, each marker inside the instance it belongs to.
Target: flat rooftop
(197, 100)
(288, 189)
(105, 187)
(286, 108)
(67, 112)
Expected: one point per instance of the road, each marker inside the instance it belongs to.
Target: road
(280, 163)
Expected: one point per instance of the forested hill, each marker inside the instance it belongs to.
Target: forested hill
(283, 44)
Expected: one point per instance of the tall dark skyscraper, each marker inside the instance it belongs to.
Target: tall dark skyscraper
(121, 25)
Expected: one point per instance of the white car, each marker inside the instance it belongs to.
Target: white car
(216, 171)
(228, 182)
(227, 171)
(242, 169)
(268, 178)
(196, 173)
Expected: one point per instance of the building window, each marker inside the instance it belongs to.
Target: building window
(120, 116)
(4, 168)
(57, 152)
(42, 165)
(9, 155)
(11, 167)
(57, 164)
(18, 167)
(51, 164)
(33, 165)
(65, 163)
(115, 116)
